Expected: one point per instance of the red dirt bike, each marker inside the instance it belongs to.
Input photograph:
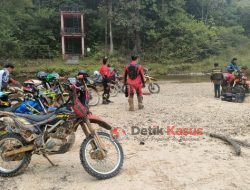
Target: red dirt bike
(235, 86)
(54, 133)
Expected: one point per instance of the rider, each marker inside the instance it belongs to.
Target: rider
(112, 72)
(105, 72)
(134, 77)
(5, 76)
(232, 66)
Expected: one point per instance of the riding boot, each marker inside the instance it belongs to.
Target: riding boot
(131, 104)
(104, 98)
(140, 102)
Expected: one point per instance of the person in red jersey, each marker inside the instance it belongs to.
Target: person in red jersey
(134, 78)
(105, 72)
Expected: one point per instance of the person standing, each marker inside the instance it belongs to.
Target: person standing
(134, 78)
(5, 76)
(217, 78)
(105, 72)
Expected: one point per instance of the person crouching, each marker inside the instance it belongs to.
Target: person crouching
(134, 78)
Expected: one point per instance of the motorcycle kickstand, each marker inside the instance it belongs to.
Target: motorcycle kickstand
(52, 164)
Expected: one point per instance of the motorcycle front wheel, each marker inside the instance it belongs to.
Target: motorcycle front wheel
(154, 88)
(98, 166)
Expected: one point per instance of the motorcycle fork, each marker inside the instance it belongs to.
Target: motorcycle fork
(88, 130)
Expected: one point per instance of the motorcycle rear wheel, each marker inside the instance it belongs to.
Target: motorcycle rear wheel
(24, 158)
(113, 90)
(94, 96)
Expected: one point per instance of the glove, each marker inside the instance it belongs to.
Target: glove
(143, 85)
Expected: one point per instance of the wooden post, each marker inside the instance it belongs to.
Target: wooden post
(62, 33)
(82, 31)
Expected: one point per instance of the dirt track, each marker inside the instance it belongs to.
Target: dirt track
(165, 162)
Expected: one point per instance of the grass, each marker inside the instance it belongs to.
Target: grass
(224, 58)
(243, 3)
(28, 68)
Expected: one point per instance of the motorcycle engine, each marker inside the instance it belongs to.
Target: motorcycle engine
(7, 123)
(61, 141)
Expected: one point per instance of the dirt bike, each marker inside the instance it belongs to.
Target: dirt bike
(153, 87)
(24, 135)
(234, 87)
(118, 82)
(92, 83)
(242, 80)
(11, 97)
(51, 87)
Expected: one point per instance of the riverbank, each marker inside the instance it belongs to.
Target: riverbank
(28, 68)
(165, 161)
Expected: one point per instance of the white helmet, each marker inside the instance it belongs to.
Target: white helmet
(96, 73)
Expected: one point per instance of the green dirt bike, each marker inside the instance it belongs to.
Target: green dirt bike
(52, 89)
(24, 135)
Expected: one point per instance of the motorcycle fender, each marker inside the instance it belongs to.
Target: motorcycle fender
(95, 119)
(6, 114)
(153, 79)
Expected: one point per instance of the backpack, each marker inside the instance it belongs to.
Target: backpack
(132, 71)
(217, 74)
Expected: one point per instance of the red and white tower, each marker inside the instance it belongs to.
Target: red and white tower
(72, 32)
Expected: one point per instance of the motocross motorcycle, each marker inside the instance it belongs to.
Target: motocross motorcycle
(234, 87)
(94, 97)
(54, 133)
(97, 84)
(153, 86)
(117, 80)
(55, 92)
(33, 102)
(242, 80)
(8, 99)
(51, 87)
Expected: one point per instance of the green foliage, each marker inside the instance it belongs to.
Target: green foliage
(164, 32)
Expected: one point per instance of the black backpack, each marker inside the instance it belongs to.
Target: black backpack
(133, 71)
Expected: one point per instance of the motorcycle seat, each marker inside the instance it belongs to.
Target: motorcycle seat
(10, 109)
(36, 118)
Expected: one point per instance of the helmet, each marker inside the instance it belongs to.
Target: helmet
(84, 73)
(105, 59)
(41, 75)
(52, 76)
(96, 73)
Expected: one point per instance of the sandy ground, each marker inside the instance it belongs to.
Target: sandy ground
(164, 162)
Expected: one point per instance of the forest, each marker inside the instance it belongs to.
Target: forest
(160, 31)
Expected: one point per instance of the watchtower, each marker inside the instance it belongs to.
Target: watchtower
(72, 32)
